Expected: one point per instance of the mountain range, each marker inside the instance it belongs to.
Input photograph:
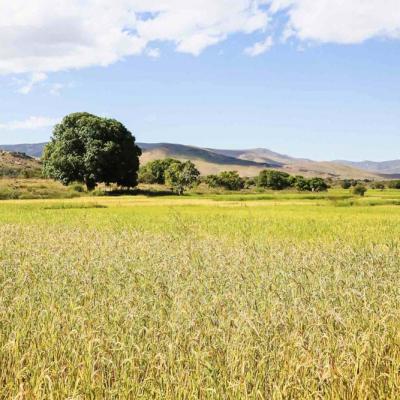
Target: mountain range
(249, 162)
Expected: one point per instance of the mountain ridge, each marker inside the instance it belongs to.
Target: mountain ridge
(389, 167)
(248, 162)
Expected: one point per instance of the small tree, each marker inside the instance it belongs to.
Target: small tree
(90, 149)
(301, 184)
(154, 171)
(212, 181)
(181, 176)
(231, 180)
(249, 182)
(394, 184)
(318, 185)
(359, 190)
(273, 179)
(378, 185)
(346, 184)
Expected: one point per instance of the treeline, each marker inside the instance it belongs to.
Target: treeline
(380, 185)
(91, 150)
(174, 173)
(269, 179)
(168, 171)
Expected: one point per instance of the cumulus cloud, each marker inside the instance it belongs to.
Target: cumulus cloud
(43, 36)
(259, 47)
(31, 123)
(339, 21)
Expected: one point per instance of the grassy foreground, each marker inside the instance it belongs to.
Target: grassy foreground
(168, 298)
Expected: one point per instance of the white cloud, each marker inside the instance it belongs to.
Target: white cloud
(340, 21)
(260, 47)
(153, 52)
(43, 36)
(34, 79)
(31, 123)
(46, 36)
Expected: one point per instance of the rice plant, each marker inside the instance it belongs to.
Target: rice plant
(130, 298)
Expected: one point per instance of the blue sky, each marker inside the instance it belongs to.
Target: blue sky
(310, 92)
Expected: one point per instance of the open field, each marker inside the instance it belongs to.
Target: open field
(261, 296)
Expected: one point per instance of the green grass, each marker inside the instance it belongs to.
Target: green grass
(292, 297)
(23, 189)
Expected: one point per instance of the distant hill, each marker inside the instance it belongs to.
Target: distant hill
(33, 150)
(206, 160)
(18, 165)
(247, 162)
(384, 167)
(250, 162)
(259, 155)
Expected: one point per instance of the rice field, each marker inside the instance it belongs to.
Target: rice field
(288, 297)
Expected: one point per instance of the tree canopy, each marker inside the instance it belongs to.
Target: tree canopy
(360, 190)
(181, 175)
(229, 180)
(90, 149)
(273, 179)
(154, 171)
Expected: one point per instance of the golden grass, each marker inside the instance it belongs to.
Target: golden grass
(197, 299)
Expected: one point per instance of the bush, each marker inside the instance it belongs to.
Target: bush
(273, 179)
(154, 171)
(359, 190)
(318, 185)
(77, 187)
(378, 185)
(229, 180)
(249, 182)
(394, 184)
(212, 181)
(346, 184)
(301, 184)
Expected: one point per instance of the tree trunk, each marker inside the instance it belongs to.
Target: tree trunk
(90, 184)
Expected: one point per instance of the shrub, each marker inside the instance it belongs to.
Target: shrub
(249, 182)
(154, 171)
(359, 190)
(318, 185)
(273, 179)
(301, 184)
(77, 187)
(229, 180)
(346, 184)
(394, 184)
(212, 181)
(378, 185)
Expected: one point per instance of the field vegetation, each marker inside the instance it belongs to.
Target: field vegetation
(286, 296)
(192, 287)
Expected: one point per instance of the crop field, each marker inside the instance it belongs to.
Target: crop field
(270, 296)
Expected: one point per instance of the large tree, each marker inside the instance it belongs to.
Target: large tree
(90, 149)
